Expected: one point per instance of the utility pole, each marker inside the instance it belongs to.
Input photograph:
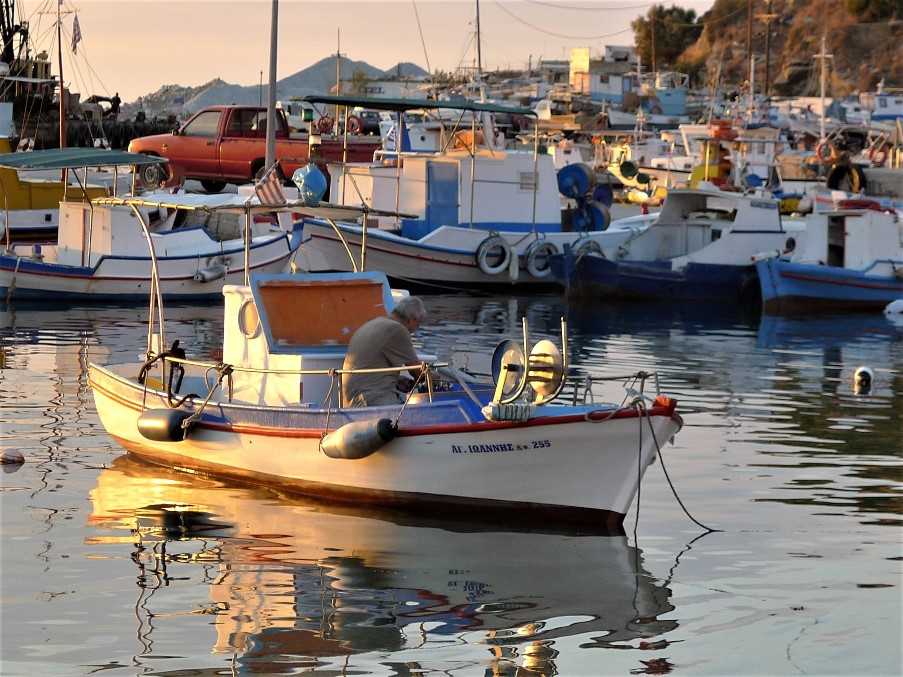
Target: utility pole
(338, 63)
(823, 56)
(768, 17)
(749, 17)
(652, 20)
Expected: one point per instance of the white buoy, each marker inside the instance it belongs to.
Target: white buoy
(894, 308)
(862, 380)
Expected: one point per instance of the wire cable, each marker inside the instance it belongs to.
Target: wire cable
(558, 35)
(422, 41)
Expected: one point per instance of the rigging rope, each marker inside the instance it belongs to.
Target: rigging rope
(554, 34)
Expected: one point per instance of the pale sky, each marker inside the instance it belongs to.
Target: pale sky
(135, 46)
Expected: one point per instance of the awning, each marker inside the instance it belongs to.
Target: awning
(237, 204)
(75, 158)
(413, 104)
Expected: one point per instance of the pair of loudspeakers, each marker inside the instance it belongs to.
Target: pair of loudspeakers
(543, 369)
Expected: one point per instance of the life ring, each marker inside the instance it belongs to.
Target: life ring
(537, 255)
(587, 246)
(825, 152)
(354, 125)
(878, 154)
(325, 124)
(494, 247)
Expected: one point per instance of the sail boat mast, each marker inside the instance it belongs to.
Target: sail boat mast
(479, 47)
(59, 51)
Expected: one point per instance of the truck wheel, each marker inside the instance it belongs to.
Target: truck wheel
(211, 186)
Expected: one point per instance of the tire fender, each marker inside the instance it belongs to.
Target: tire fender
(586, 246)
(486, 248)
(539, 250)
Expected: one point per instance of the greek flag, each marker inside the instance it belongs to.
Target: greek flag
(269, 188)
(76, 33)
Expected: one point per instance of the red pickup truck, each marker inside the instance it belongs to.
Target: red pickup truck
(227, 144)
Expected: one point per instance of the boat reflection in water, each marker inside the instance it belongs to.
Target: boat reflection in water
(293, 583)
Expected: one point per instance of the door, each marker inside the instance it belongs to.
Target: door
(244, 140)
(442, 194)
(195, 147)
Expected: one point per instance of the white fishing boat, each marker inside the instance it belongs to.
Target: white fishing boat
(270, 413)
(473, 213)
(702, 246)
(105, 248)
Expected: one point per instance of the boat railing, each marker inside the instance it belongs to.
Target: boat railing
(224, 371)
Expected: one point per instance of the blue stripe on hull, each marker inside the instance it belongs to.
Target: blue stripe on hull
(595, 277)
(791, 286)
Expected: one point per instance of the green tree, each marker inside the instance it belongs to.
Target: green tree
(675, 29)
(872, 10)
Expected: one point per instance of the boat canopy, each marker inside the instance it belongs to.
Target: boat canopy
(401, 105)
(238, 204)
(75, 158)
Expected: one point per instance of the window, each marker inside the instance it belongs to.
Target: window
(205, 124)
(247, 123)
(882, 102)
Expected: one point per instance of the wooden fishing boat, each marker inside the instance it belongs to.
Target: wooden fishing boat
(270, 413)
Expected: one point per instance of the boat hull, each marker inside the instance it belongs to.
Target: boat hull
(128, 278)
(594, 277)
(794, 287)
(431, 260)
(579, 469)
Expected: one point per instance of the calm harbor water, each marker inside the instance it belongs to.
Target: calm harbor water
(109, 565)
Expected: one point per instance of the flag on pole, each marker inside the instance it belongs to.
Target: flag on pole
(76, 34)
(269, 188)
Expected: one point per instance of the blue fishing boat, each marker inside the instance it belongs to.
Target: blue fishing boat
(852, 259)
(702, 247)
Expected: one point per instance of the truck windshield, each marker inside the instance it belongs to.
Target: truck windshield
(204, 124)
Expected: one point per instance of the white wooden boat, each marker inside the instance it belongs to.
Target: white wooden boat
(474, 213)
(270, 414)
(102, 253)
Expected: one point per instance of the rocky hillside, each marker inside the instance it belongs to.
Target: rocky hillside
(865, 48)
(315, 79)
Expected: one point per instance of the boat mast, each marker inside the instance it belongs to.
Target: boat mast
(823, 56)
(59, 52)
(479, 49)
(271, 98)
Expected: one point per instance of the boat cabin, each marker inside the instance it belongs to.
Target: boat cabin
(491, 190)
(691, 220)
(853, 238)
(297, 322)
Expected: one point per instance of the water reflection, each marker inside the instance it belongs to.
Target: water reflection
(295, 584)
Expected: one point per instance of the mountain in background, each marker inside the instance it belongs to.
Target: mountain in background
(318, 78)
(866, 47)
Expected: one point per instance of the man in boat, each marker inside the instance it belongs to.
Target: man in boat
(381, 342)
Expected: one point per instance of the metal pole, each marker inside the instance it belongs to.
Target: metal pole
(62, 108)
(479, 48)
(399, 129)
(473, 160)
(155, 282)
(535, 167)
(344, 153)
(247, 245)
(749, 29)
(768, 18)
(271, 98)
